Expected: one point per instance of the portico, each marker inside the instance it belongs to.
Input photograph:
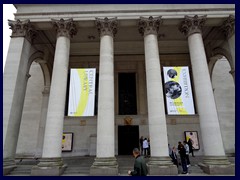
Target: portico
(140, 43)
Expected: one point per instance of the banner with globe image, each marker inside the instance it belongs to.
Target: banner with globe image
(82, 92)
(178, 90)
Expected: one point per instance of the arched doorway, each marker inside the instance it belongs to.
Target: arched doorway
(224, 93)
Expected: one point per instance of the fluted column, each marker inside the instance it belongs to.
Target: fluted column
(51, 162)
(214, 161)
(14, 87)
(160, 163)
(105, 162)
(228, 28)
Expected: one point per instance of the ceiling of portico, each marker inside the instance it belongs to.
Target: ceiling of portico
(127, 40)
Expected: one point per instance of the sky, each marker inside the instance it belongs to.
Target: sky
(8, 13)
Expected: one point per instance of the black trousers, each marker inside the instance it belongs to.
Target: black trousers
(187, 159)
(145, 151)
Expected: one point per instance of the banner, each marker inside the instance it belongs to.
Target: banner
(82, 92)
(178, 90)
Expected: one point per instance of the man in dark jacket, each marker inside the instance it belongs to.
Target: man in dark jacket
(182, 152)
(140, 167)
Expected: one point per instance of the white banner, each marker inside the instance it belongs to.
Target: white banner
(178, 90)
(82, 92)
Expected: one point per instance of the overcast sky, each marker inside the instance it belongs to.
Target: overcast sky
(8, 10)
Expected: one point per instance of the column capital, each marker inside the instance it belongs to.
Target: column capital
(22, 29)
(107, 26)
(149, 25)
(191, 25)
(65, 28)
(228, 26)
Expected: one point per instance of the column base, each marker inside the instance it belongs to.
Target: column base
(161, 166)
(104, 167)
(8, 165)
(49, 167)
(217, 165)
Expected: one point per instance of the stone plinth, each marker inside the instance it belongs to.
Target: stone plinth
(161, 166)
(217, 165)
(8, 165)
(104, 166)
(49, 167)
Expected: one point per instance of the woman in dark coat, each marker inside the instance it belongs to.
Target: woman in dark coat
(190, 144)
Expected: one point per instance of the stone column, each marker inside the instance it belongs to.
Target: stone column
(215, 161)
(42, 124)
(105, 162)
(228, 28)
(14, 88)
(160, 162)
(142, 89)
(51, 162)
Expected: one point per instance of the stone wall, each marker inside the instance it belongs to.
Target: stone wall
(85, 128)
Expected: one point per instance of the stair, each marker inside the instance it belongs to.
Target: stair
(24, 167)
(22, 170)
(125, 163)
(80, 166)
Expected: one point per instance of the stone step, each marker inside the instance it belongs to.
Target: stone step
(80, 166)
(21, 172)
(125, 169)
(77, 172)
(19, 175)
(27, 161)
(22, 169)
(77, 169)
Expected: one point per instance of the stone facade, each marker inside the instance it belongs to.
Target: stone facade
(119, 39)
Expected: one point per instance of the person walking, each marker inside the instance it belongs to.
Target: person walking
(140, 167)
(145, 147)
(182, 152)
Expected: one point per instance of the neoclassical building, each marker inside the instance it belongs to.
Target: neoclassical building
(128, 45)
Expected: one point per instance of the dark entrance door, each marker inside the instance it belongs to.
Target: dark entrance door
(128, 138)
(127, 93)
